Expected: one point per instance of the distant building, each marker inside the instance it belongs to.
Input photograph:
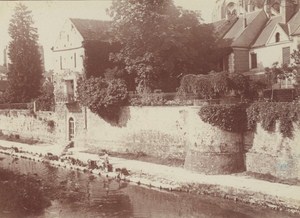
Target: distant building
(257, 37)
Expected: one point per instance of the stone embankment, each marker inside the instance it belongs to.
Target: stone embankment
(235, 187)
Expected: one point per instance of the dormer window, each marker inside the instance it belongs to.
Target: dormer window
(277, 37)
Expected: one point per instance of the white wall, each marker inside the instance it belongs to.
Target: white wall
(266, 56)
(68, 43)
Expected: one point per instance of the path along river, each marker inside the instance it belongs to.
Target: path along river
(77, 194)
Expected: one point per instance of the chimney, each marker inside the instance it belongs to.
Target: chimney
(267, 8)
(244, 20)
(287, 10)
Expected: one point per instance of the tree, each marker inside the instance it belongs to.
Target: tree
(103, 97)
(25, 70)
(160, 42)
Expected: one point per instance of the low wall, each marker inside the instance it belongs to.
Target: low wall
(155, 131)
(275, 155)
(41, 125)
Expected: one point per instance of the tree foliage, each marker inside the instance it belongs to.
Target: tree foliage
(160, 42)
(25, 70)
(218, 84)
(96, 60)
(46, 102)
(103, 97)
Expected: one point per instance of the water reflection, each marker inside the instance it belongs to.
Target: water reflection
(75, 194)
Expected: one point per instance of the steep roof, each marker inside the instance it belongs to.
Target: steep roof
(223, 26)
(267, 31)
(294, 24)
(246, 36)
(238, 27)
(91, 29)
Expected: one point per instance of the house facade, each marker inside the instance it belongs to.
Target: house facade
(77, 40)
(257, 37)
(70, 53)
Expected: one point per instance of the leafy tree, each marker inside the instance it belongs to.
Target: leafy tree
(160, 42)
(25, 70)
(45, 101)
(103, 97)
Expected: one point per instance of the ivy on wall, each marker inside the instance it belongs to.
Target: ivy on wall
(232, 118)
(240, 117)
(268, 113)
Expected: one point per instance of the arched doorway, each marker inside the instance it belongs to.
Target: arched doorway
(71, 129)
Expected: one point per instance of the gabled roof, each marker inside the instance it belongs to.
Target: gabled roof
(294, 24)
(238, 27)
(267, 31)
(223, 26)
(91, 29)
(255, 23)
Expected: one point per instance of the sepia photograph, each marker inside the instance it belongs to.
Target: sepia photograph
(150, 109)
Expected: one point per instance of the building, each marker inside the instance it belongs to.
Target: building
(80, 41)
(257, 36)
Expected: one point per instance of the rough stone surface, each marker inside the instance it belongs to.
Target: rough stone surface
(273, 154)
(210, 149)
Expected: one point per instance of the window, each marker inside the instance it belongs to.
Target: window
(75, 60)
(253, 60)
(286, 53)
(277, 37)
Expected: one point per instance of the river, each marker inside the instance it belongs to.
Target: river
(77, 194)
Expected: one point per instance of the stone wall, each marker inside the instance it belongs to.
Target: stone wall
(273, 154)
(171, 132)
(155, 131)
(212, 150)
(41, 125)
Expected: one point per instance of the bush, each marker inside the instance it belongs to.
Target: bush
(103, 97)
(232, 118)
(268, 113)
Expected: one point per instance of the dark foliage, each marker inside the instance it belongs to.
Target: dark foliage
(160, 42)
(231, 118)
(25, 70)
(46, 102)
(96, 60)
(103, 97)
(268, 113)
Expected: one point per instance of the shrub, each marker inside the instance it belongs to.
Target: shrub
(268, 113)
(232, 118)
(103, 97)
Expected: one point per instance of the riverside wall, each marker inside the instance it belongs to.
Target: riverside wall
(169, 132)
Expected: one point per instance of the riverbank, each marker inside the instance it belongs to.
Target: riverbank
(241, 188)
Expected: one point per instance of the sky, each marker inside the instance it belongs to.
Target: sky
(49, 17)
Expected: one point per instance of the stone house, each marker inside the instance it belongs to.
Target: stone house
(77, 39)
(79, 43)
(257, 37)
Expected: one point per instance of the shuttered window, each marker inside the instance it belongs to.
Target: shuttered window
(253, 60)
(286, 53)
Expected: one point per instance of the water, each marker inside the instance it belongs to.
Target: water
(76, 194)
